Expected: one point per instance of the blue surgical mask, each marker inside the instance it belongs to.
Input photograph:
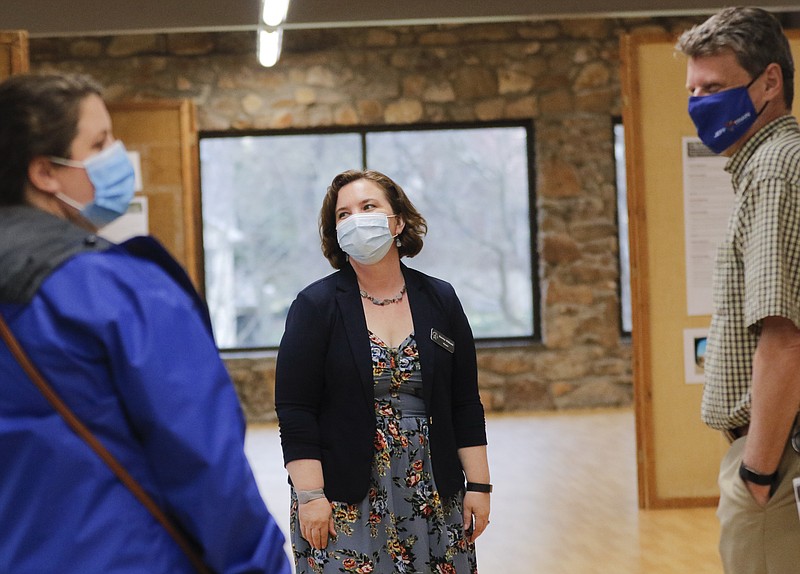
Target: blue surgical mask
(722, 118)
(112, 175)
(365, 236)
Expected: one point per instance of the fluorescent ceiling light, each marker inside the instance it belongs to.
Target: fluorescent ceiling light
(269, 47)
(273, 12)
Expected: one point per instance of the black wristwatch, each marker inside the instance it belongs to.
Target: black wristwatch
(478, 487)
(750, 475)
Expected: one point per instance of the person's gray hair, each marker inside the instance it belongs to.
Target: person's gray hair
(755, 36)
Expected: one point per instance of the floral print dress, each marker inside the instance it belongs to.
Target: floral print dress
(402, 525)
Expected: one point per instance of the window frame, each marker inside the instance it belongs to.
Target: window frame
(362, 131)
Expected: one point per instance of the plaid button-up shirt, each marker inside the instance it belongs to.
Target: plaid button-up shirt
(757, 271)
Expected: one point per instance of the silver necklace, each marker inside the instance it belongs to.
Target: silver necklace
(382, 302)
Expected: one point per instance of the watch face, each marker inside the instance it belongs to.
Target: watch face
(796, 440)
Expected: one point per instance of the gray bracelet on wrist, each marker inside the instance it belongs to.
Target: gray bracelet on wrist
(304, 496)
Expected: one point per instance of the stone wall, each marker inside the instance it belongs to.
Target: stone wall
(562, 75)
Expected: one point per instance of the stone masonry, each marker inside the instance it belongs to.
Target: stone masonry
(561, 75)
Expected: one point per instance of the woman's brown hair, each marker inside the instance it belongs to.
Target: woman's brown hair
(411, 236)
(38, 117)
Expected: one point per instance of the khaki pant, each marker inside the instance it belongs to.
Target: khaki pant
(756, 540)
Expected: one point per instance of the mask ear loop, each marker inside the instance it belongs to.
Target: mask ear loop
(396, 237)
(69, 201)
(757, 76)
(753, 81)
(66, 162)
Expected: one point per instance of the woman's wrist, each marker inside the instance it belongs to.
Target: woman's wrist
(305, 496)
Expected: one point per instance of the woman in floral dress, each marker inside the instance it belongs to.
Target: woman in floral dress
(377, 399)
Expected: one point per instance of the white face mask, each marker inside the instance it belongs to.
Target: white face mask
(365, 236)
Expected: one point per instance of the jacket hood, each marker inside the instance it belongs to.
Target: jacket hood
(33, 243)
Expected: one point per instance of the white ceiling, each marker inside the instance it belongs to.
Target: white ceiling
(93, 17)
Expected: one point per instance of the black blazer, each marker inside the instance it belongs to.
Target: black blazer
(324, 388)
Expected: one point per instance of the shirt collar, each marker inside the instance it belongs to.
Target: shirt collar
(736, 163)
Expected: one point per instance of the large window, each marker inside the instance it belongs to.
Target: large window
(261, 198)
(626, 320)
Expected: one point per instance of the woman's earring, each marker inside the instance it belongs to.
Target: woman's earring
(398, 242)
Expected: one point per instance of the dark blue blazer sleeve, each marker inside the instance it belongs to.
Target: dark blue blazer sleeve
(300, 378)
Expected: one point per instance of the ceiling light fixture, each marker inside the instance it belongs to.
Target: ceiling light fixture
(269, 46)
(270, 31)
(273, 12)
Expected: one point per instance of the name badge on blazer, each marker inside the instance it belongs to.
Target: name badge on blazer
(444, 342)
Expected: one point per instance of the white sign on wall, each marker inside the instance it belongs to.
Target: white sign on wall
(708, 200)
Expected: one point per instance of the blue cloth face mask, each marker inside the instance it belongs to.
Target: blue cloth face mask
(722, 118)
(112, 175)
(365, 236)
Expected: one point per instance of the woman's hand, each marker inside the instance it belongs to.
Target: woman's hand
(476, 504)
(476, 513)
(315, 516)
(316, 522)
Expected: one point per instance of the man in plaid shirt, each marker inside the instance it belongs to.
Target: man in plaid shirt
(740, 78)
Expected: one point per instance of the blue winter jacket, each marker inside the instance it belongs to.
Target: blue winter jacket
(123, 339)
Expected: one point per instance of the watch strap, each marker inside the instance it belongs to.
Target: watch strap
(478, 487)
(750, 475)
